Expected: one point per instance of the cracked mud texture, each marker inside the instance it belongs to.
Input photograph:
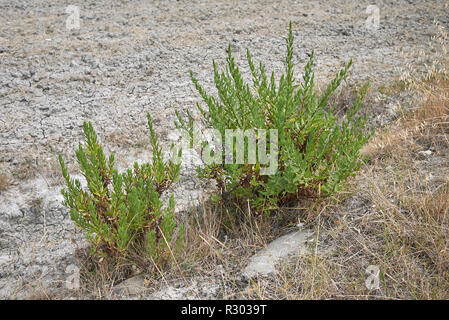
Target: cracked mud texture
(133, 57)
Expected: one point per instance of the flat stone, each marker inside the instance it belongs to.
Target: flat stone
(131, 286)
(263, 263)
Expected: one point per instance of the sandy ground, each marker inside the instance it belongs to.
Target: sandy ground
(133, 57)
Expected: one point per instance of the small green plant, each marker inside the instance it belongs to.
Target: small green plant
(316, 149)
(121, 213)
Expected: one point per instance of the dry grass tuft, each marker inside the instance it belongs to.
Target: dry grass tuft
(99, 276)
(4, 182)
(26, 169)
(423, 128)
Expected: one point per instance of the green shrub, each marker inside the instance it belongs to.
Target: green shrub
(121, 213)
(316, 150)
